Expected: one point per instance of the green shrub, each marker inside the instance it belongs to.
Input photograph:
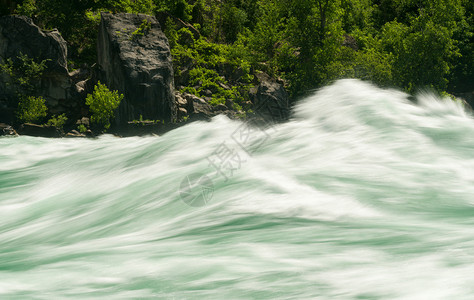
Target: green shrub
(225, 70)
(82, 128)
(31, 109)
(57, 121)
(27, 8)
(24, 72)
(102, 103)
(143, 29)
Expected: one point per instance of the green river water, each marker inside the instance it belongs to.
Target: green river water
(361, 195)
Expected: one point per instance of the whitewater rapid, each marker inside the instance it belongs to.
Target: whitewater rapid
(362, 194)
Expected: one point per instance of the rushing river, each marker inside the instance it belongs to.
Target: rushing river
(361, 195)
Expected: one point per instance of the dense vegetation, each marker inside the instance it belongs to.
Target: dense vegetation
(25, 74)
(410, 44)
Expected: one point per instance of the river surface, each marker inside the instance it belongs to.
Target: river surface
(361, 195)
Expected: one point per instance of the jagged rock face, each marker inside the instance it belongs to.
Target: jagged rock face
(19, 35)
(270, 99)
(137, 64)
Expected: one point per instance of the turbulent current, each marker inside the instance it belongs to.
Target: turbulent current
(362, 194)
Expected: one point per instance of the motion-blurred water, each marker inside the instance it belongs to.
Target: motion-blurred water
(362, 195)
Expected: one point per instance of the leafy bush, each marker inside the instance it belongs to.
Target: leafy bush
(82, 128)
(102, 103)
(57, 121)
(24, 72)
(31, 109)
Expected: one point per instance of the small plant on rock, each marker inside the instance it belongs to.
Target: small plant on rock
(57, 121)
(143, 29)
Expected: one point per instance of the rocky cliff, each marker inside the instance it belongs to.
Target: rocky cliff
(134, 58)
(20, 36)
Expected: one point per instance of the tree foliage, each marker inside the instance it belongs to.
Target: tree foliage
(24, 72)
(406, 43)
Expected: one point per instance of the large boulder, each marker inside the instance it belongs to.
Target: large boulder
(270, 99)
(38, 130)
(20, 36)
(134, 58)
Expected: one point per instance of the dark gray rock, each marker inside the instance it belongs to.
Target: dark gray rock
(20, 36)
(6, 129)
(139, 66)
(270, 99)
(220, 108)
(199, 109)
(38, 130)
